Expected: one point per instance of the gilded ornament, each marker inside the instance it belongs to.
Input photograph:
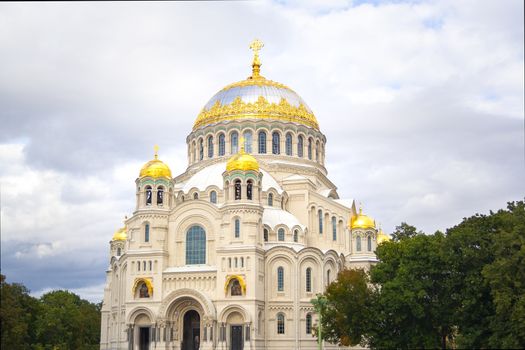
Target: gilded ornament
(362, 221)
(155, 168)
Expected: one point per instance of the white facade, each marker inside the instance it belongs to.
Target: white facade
(238, 273)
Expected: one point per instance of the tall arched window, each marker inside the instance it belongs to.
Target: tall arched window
(195, 246)
(248, 141)
(160, 195)
(320, 213)
(194, 152)
(146, 233)
(308, 323)
(213, 197)
(280, 279)
(276, 143)
(119, 251)
(317, 151)
(308, 280)
(262, 142)
(288, 144)
(358, 243)
(295, 236)
(369, 243)
(270, 199)
(222, 145)
(201, 149)
(249, 189)
(234, 140)
(310, 149)
(265, 235)
(148, 195)
(280, 234)
(237, 189)
(300, 145)
(328, 277)
(334, 228)
(210, 146)
(237, 228)
(280, 324)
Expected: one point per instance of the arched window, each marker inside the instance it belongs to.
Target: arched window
(310, 149)
(328, 277)
(210, 146)
(320, 213)
(358, 243)
(194, 152)
(280, 324)
(146, 233)
(270, 199)
(237, 189)
(201, 149)
(222, 145)
(237, 228)
(308, 280)
(213, 197)
(148, 195)
(300, 145)
(280, 279)
(249, 187)
(265, 235)
(150, 265)
(234, 140)
(160, 195)
(334, 228)
(295, 236)
(369, 243)
(262, 142)
(308, 323)
(248, 141)
(276, 143)
(280, 234)
(119, 251)
(143, 266)
(288, 144)
(195, 195)
(195, 246)
(317, 151)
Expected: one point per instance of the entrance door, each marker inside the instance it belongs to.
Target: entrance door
(191, 331)
(144, 338)
(236, 341)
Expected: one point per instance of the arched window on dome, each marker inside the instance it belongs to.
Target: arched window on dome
(270, 199)
(249, 189)
(148, 195)
(369, 243)
(280, 279)
(317, 151)
(288, 144)
(195, 245)
(222, 145)
(280, 323)
(310, 149)
(248, 141)
(237, 228)
(119, 251)
(160, 195)
(308, 323)
(237, 189)
(320, 214)
(146, 233)
(234, 141)
(334, 228)
(213, 197)
(308, 279)
(276, 143)
(265, 235)
(201, 149)
(195, 195)
(210, 146)
(194, 151)
(295, 236)
(280, 234)
(262, 142)
(358, 243)
(300, 145)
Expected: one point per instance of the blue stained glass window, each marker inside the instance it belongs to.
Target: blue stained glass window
(320, 213)
(300, 145)
(310, 149)
(248, 141)
(276, 143)
(222, 145)
(213, 197)
(201, 150)
(280, 279)
(195, 246)
(210, 146)
(262, 142)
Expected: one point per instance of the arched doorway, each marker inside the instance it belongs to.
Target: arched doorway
(191, 331)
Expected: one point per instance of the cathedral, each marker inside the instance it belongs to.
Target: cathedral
(229, 254)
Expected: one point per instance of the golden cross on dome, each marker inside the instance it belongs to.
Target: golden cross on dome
(156, 148)
(256, 46)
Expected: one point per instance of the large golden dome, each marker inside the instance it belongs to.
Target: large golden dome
(155, 168)
(256, 98)
(120, 235)
(362, 221)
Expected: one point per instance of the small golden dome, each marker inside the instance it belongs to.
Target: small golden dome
(382, 237)
(155, 168)
(362, 221)
(121, 234)
(242, 161)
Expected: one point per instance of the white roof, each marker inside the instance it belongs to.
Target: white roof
(324, 192)
(276, 216)
(345, 202)
(212, 176)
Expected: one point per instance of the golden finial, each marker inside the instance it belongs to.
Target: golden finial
(360, 207)
(256, 45)
(156, 148)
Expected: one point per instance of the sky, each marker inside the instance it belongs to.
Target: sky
(421, 102)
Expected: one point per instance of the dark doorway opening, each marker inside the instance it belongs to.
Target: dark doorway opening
(144, 338)
(236, 338)
(191, 331)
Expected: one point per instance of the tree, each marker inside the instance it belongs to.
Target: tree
(405, 231)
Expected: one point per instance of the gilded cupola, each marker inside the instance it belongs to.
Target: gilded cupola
(155, 168)
(362, 221)
(256, 98)
(382, 237)
(120, 235)
(242, 161)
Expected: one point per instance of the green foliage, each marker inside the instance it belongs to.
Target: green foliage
(405, 231)
(58, 320)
